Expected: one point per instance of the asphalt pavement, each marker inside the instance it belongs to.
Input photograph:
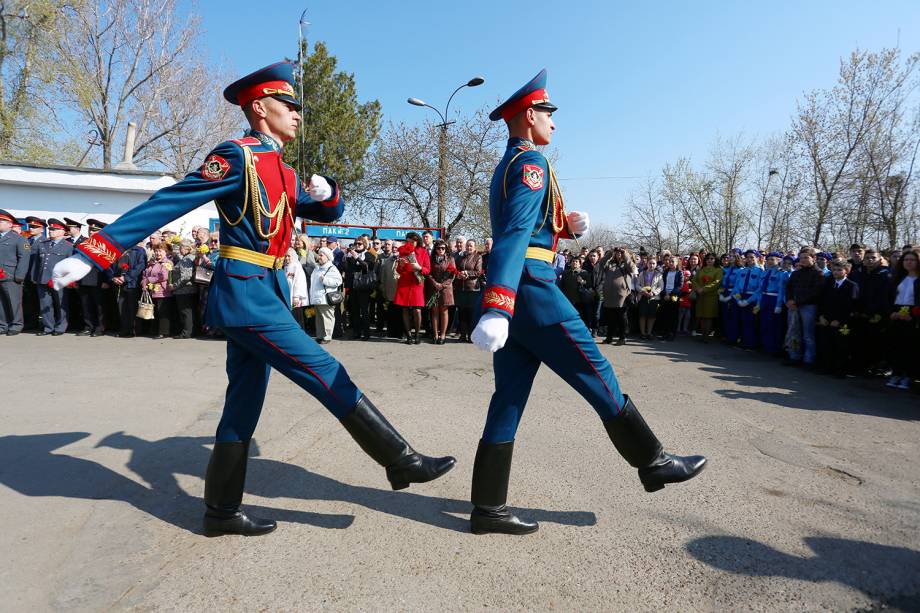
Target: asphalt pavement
(811, 500)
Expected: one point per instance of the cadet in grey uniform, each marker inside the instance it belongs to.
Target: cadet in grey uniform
(51, 251)
(14, 265)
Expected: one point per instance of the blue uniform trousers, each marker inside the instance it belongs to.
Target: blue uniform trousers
(730, 321)
(748, 324)
(771, 329)
(570, 351)
(53, 309)
(252, 352)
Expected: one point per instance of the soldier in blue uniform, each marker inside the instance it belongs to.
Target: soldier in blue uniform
(768, 301)
(50, 252)
(258, 197)
(728, 308)
(30, 309)
(14, 265)
(527, 321)
(745, 287)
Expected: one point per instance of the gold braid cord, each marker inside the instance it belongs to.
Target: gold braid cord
(253, 193)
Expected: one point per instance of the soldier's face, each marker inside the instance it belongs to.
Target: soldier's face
(282, 118)
(5, 226)
(543, 127)
(55, 233)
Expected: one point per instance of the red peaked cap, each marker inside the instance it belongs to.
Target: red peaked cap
(275, 81)
(531, 95)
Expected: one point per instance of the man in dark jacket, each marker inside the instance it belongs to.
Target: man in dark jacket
(126, 276)
(803, 292)
(14, 265)
(870, 328)
(839, 300)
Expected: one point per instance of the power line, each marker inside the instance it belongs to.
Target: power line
(604, 178)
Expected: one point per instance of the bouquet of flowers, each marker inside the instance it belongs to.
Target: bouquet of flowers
(203, 250)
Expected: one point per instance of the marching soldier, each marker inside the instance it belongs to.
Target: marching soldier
(258, 197)
(527, 321)
(51, 251)
(14, 265)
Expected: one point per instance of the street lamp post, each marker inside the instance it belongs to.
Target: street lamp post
(442, 142)
(763, 202)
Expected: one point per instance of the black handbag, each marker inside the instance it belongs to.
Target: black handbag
(202, 275)
(333, 298)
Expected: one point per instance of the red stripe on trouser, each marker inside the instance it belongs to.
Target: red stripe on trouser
(591, 364)
(296, 361)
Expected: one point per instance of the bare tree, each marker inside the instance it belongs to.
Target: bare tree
(401, 181)
(647, 219)
(115, 58)
(833, 124)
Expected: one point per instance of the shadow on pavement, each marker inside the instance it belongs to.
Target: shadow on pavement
(29, 466)
(792, 387)
(883, 572)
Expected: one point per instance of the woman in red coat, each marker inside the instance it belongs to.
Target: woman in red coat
(412, 265)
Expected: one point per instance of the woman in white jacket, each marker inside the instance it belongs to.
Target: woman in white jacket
(297, 282)
(324, 279)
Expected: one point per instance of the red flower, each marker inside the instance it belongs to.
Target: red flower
(705, 278)
(2, 274)
(915, 311)
(124, 266)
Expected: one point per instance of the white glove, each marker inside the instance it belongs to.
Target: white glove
(723, 298)
(778, 310)
(69, 271)
(491, 332)
(742, 303)
(319, 188)
(578, 222)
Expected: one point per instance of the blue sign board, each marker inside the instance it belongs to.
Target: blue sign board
(399, 234)
(338, 231)
(352, 232)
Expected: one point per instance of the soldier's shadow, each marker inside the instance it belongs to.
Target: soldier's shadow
(29, 466)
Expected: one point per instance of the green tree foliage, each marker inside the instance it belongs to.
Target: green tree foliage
(26, 27)
(337, 130)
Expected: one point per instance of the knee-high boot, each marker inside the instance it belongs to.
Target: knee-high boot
(223, 493)
(384, 444)
(638, 445)
(490, 492)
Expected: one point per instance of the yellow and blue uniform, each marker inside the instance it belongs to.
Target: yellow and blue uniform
(747, 282)
(768, 298)
(528, 219)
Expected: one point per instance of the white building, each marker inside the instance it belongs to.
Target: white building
(84, 193)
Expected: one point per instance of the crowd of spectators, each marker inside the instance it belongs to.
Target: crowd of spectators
(854, 314)
(845, 314)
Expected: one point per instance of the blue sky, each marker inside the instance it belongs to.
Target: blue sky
(637, 86)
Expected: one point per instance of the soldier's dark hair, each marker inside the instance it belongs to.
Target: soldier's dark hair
(413, 236)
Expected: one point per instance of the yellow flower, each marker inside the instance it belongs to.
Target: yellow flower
(203, 249)
(150, 286)
(737, 296)
(175, 239)
(673, 298)
(905, 310)
(756, 310)
(844, 330)
(647, 288)
(168, 266)
(875, 319)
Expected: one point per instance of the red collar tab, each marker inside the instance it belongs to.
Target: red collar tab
(538, 96)
(268, 88)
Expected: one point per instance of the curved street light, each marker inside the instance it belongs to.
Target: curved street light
(442, 141)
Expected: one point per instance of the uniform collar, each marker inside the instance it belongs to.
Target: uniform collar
(265, 139)
(516, 141)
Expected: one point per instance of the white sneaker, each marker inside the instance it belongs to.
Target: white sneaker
(893, 381)
(904, 384)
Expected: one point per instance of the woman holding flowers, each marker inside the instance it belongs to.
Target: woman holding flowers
(649, 284)
(706, 284)
(156, 280)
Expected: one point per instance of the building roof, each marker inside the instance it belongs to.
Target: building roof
(72, 177)
(113, 171)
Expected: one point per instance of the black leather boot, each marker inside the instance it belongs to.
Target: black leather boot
(223, 493)
(383, 443)
(490, 492)
(638, 445)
